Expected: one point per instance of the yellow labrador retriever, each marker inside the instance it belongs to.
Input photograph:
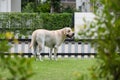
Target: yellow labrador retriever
(52, 39)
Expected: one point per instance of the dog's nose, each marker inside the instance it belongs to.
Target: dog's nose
(73, 34)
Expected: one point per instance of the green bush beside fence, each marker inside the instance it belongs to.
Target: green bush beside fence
(56, 21)
(19, 21)
(23, 21)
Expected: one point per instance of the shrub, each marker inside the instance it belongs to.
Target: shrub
(107, 43)
(19, 21)
(24, 21)
(16, 68)
(43, 7)
(68, 9)
(29, 8)
(56, 21)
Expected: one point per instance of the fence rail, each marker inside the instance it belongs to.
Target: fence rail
(69, 48)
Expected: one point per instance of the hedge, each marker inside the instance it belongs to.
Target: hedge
(25, 23)
(19, 21)
(56, 21)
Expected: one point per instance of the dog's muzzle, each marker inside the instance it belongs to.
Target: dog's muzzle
(70, 36)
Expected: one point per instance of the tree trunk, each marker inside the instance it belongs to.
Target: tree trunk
(52, 6)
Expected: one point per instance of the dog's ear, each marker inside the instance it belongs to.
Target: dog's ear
(64, 31)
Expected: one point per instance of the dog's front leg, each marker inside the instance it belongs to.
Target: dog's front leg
(55, 53)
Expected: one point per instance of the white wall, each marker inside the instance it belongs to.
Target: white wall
(80, 21)
(15, 5)
(10, 5)
(43, 1)
(5, 5)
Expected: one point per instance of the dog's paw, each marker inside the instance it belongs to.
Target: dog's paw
(38, 59)
(55, 59)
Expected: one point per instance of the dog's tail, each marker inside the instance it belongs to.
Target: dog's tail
(32, 40)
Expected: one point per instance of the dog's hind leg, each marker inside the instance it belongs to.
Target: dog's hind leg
(35, 50)
(50, 53)
(40, 48)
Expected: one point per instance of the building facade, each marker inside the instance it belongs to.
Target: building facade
(15, 5)
(79, 5)
(71, 3)
(10, 5)
(84, 5)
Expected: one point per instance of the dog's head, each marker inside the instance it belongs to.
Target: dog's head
(68, 32)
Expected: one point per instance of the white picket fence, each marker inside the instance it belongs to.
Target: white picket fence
(69, 48)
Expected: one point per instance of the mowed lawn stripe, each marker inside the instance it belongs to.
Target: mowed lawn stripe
(62, 69)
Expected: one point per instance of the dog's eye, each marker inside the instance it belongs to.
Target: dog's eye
(68, 30)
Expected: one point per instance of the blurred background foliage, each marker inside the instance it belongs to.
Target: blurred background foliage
(13, 68)
(107, 40)
(47, 6)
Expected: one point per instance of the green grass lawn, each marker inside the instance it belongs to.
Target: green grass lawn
(62, 69)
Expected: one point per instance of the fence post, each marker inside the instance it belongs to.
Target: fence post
(23, 44)
(76, 47)
(63, 47)
(82, 47)
(69, 47)
(89, 47)
(15, 47)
